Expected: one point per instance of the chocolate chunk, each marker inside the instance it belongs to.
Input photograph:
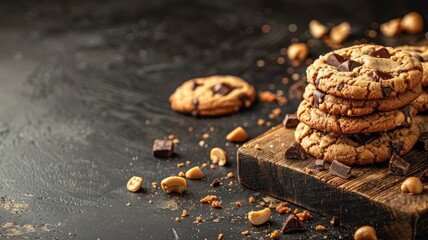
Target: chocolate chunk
(339, 169)
(317, 82)
(381, 53)
(222, 89)
(215, 183)
(421, 59)
(423, 141)
(363, 138)
(378, 75)
(386, 91)
(335, 221)
(335, 60)
(295, 151)
(406, 111)
(397, 146)
(292, 224)
(320, 164)
(424, 177)
(318, 98)
(341, 86)
(163, 148)
(194, 85)
(296, 90)
(348, 66)
(398, 166)
(290, 121)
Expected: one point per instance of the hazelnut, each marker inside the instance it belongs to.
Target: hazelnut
(412, 185)
(195, 173)
(412, 23)
(317, 29)
(297, 51)
(134, 184)
(218, 155)
(174, 184)
(259, 217)
(365, 233)
(237, 135)
(391, 28)
(340, 33)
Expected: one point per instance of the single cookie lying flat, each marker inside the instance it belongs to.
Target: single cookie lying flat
(365, 72)
(212, 96)
(420, 53)
(354, 107)
(357, 149)
(375, 122)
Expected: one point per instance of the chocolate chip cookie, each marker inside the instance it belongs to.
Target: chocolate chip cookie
(421, 103)
(212, 96)
(355, 107)
(375, 122)
(357, 149)
(365, 72)
(420, 53)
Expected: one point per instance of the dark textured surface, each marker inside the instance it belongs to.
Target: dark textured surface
(84, 92)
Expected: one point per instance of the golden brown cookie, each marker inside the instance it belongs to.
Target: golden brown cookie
(420, 53)
(421, 103)
(212, 96)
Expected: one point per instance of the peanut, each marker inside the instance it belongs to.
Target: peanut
(218, 155)
(340, 33)
(365, 233)
(297, 51)
(412, 23)
(259, 217)
(174, 184)
(195, 173)
(317, 29)
(391, 28)
(134, 184)
(237, 135)
(412, 185)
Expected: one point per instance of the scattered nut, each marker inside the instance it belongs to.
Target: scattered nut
(365, 233)
(412, 23)
(134, 184)
(391, 28)
(317, 29)
(340, 33)
(174, 184)
(237, 135)
(259, 217)
(195, 173)
(297, 51)
(219, 156)
(412, 185)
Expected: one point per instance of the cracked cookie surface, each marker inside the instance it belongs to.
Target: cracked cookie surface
(357, 149)
(375, 122)
(212, 96)
(421, 53)
(354, 107)
(365, 72)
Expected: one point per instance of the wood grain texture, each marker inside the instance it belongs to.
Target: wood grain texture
(370, 197)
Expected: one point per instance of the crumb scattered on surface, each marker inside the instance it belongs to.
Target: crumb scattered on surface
(282, 208)
(320, 228)
(198, 219)
(208, 199)
(177, 219)
(239, 204)
(180, 164)
(274, 234)
(220, 236)
(216, 204)
(303, 216)
(251, 200)
(230, 175)
(185, 213)
(245, 233)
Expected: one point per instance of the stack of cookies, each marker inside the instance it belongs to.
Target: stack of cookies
(357, 108)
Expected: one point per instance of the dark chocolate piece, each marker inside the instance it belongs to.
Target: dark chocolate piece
(317, 82)
(348, 66)
(406, 111)
(381, 53)
(335, 60)
(421, 59)
(423, 141)
(424, 177)
(398, 166)
(363, 138)
(339, 169)
(318, 95)
(194, 85)
(320, 164)
(397, 146)
(341, 86)
(335, 221)
(295, 151)
(222, 89)
(290, 121)
(386, 91)
(292, 224)
(378, 75)
(296, 90)
(215, 183)
(163, 148)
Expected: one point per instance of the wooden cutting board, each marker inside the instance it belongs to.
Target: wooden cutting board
(370, 197)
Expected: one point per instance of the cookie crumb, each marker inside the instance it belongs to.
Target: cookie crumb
(185, 213)
(282, 208)
(180, 165)
(251, 200)
(245, 233)
(198, 219)
(261, 122)
(154, 185)
(177, 219)
(212, 167)
(320, 228)
(303, 216)
(128, 204)
(205, 136)
(239, 204)
(208, 199)
(274, 234)
(181, 174)
(220, 236)
(230, 175)
(204, 165)
(309, 171)
(267, 97)
(216, 204)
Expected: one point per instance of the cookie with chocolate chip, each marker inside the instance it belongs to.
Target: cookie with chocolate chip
(357, 149)
(212, 96)
(365, 72)
(375, 122)
(421, 103)
(357, 107)
(420, 53)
